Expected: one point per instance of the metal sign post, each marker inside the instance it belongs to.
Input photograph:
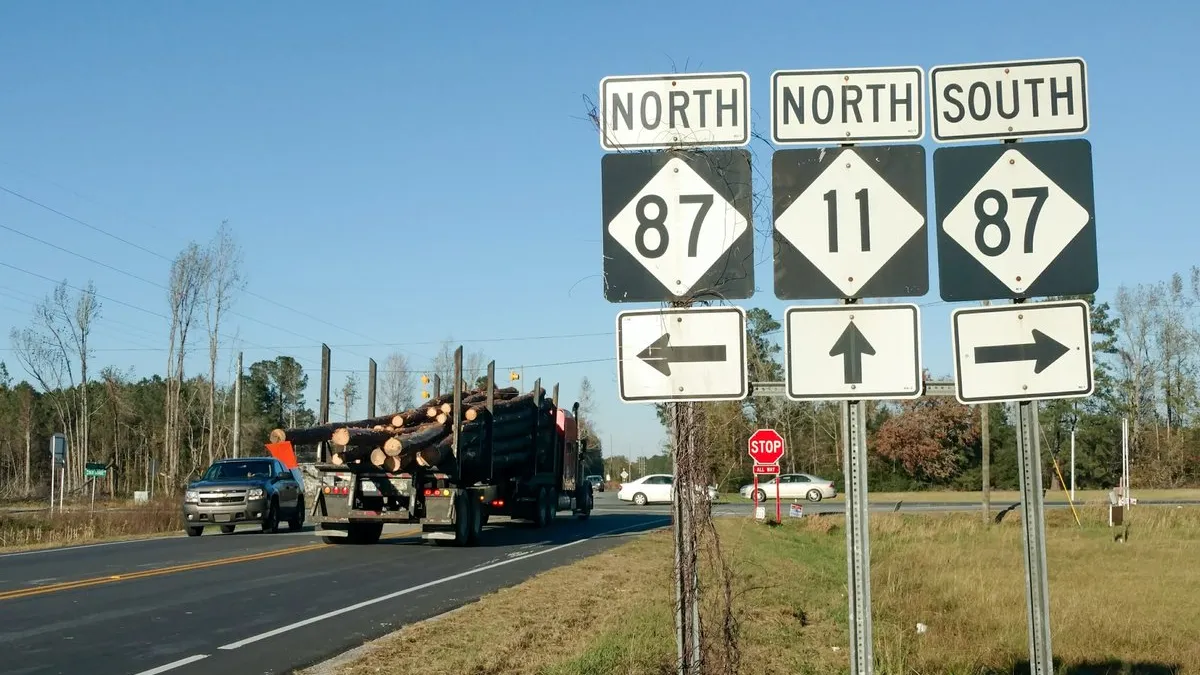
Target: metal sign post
(677, 228)
(851, 222)
(58, 458)
(1017, 220)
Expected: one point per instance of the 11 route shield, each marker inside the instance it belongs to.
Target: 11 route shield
(677, 226)
(850, 222)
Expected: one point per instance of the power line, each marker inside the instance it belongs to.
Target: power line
(156, 254)
(523, 365)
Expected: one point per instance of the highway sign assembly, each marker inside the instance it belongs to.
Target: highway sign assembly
(1009, 99)
(695, 354)
(849, 105)
(765, 446)
(850, 222)
(677, 226)
(1023, 352)
(853, 352)
(1015, 220)
(676, 110)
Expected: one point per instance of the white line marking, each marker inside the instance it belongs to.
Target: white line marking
(174, 664)
(420, 587)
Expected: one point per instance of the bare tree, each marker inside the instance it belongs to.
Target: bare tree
(48, 350)
(399, 383)
(224, 278)
(474, 367)
(443, 365)
(1136, 310)
(349, 394)
(189, 277)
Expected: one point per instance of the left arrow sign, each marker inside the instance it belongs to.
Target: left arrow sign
(660, 354)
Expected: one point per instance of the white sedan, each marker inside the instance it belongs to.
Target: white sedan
(654, 488)
(792, 486)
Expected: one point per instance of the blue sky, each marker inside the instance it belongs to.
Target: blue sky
(371, 156)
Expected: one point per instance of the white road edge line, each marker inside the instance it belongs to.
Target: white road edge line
(174, 664)
(67, 549)
(420, 587)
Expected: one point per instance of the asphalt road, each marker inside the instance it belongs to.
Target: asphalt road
(253, 603)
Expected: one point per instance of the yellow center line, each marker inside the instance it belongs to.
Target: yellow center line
(114, 578)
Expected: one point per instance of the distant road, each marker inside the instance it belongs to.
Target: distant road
(253, 603)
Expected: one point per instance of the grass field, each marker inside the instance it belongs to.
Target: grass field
(25, 531)
(1129, 608)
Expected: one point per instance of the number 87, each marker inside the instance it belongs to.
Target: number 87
(658, 223)
(985, 219)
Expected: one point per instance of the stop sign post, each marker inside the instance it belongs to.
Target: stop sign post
(766, 449)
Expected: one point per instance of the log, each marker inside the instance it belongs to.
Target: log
(378, 458)
(317, 434)
(408, 418)
(360, 437)
(426, 434)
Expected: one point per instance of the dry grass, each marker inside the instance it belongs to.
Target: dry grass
(1116, 608)
(26, 531)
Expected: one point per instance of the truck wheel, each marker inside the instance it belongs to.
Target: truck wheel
(542, 509)
(195, 531)
(365, 534)
(228, 529)
(476, 528)
(585, 510)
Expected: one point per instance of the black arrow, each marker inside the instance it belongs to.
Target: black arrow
(1043, 351)
(852, 345)
(660, 354)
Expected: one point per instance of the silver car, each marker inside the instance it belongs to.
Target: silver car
(792, 486)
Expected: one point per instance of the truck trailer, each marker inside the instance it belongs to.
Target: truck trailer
(523, 465)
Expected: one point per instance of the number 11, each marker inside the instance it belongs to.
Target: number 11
(864, 219)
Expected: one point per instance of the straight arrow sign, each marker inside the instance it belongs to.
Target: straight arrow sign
(851, 346)
(1043, 351)
(660, 354)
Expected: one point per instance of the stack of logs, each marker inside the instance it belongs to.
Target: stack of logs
(423, 436)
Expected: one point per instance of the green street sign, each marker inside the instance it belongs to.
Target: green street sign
(95, 470)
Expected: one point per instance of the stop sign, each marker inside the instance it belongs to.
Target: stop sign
(766, 446)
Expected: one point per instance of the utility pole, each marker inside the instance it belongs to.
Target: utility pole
(237, 410)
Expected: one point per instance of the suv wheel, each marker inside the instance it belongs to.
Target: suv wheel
(228, 529)
(195, 531)
(296, 522)
(270, 523)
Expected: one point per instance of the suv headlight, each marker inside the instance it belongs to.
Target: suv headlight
(254, 493)
(191, 497)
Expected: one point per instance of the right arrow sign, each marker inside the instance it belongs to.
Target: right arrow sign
(1023, 352)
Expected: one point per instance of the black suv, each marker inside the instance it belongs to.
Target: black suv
(249, 490)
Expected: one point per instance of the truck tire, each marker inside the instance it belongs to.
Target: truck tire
(587, 500)
(364, 534)
(477, 518)
(296, 522)
(541, 514)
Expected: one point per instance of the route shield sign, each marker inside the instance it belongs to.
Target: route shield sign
(1034, 350)
(850, 222)
(1015, 220)
(678, 226)
(853, 352)
(696, 354)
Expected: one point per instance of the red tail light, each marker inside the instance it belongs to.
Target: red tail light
(497, 502)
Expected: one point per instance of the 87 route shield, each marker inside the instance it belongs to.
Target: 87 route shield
(677, 225)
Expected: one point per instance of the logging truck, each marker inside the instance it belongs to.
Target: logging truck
(449, 466)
